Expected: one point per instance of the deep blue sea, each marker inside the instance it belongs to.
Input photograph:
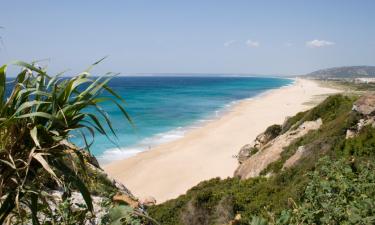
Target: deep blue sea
(164, 108)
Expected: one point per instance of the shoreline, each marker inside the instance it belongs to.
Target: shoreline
(205, 152)
(116, 154)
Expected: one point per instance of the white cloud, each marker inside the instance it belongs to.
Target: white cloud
(252, 44)
(288, 44)
(319, 43)
(229, 43)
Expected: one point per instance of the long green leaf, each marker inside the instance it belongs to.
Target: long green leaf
(30, 67)
(76, 181)
(29, 104)
(36, 114)
(2, 84)
(34, 208)
(95, 63)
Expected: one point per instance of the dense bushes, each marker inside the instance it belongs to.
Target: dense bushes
(362, 145)
(220, 200)
(340, 192)
(273, 131)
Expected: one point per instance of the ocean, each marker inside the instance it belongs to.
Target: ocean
(165, 108)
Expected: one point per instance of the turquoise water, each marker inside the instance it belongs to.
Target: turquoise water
(164, 108)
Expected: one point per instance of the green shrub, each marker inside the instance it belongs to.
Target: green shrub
(361, 145)
(328, 110)
(35, 122)
(273, 131)
(292, 121)
(339, 193)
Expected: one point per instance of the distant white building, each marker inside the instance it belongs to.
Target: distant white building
(364, 80)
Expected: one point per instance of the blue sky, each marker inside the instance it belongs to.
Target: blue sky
(192, 36)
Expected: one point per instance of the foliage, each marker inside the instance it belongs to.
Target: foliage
(290, 121)
(293, 196)
(203, 204)
(331, 108)
(339, 193)
(273, 131)
(122, 214)
(362, 145)
(67, 213)
(36, 121)
(126, 215)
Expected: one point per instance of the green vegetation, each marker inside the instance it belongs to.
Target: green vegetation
(362, 145)
(273, 131)
(337, 117)
(340, 192)
(314, 191)
(36, 120)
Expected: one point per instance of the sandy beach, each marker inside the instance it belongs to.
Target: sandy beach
(170, 169)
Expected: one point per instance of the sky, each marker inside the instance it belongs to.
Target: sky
(280, 37)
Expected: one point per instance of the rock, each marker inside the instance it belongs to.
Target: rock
(245, 152)
(365, 104)
(260, 141)
(148, 201)
(268, 175)
(76, 200)
(256, 163)
(294, 158)
(350, 134)
(237, 217)
(361, 123)
(119, 197)
(265, 137)
(236, 220)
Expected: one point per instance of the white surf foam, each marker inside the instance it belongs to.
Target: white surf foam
(114, 154)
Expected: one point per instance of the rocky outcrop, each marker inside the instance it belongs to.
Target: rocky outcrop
(294, 158)
(270, 133)
(147, 201)
(245, 152)
(269, 153)
(365, 105)
(76, 202)
(123, 198)
(260, 141)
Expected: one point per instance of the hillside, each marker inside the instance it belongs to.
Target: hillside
(318, 168)
(344, 72)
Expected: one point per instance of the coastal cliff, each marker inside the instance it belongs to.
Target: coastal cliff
(295, 173)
